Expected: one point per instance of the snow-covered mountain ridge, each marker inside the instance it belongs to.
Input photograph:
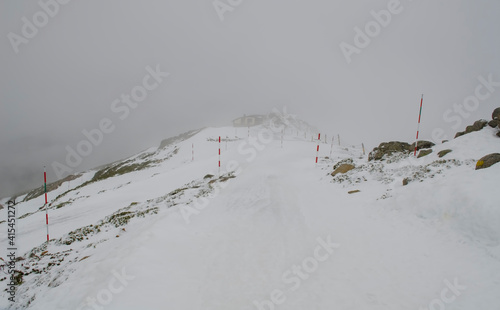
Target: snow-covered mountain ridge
(164, 229)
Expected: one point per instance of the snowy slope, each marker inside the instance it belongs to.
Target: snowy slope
(274, 231)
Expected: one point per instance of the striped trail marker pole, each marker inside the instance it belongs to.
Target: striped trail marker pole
(219, 156)
(338, 139)
(317, 148)
(418, 127)
(46, 202)
(363, 146)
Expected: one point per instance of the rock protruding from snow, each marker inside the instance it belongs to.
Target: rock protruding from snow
(344, 168)
(488, 161)
(424, 152)
(387, 149)
(421, 145)
(494, 123)
(496, 114)
(478, 125)
(444, 152)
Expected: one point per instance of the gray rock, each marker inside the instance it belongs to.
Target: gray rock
(387, 149)
(488, 161)
(421, 145)
(494, 123)
(459, 134)
(478, 125)
(496, 114)
(443, 153)
(424, 152)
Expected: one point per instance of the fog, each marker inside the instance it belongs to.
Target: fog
(229, 58)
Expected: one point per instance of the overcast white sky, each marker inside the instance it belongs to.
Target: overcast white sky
(265, 54)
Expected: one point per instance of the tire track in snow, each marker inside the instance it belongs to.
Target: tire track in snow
(261, 233)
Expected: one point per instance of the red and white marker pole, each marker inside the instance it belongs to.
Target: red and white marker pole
(317, 148)
(418, 127)
(46, 202)
(219, 156)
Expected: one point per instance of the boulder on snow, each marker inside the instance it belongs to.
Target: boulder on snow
(478, 125)
(388, 148)
(488, 161)
(498, 134)
(421, 145)
(343, 169)
(443, 153)
(424, 152)
(405, 181)
(496, 114)
(494, 123)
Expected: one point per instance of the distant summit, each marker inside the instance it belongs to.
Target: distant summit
(250, 120)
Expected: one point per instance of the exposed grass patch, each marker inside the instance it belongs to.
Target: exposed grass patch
(119, 169)
(62, 204)
(26, 215)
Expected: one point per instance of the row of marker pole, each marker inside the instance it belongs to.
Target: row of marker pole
(331, 146)
(363, 145)
(192, 158)
(282, 134)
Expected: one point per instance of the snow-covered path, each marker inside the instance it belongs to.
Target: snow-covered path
(255, 246)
